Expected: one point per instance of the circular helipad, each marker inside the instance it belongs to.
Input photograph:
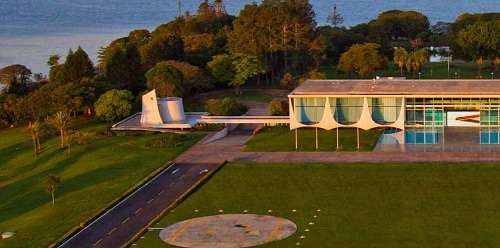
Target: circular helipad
(228, 231)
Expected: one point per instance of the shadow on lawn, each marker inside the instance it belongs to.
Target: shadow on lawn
(10, 152)
(27, 194)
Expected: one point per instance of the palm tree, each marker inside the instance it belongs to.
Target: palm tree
(62, 121)
(411, 62)
(422, 57)
(51, 184)
(35, 128)
(400, 58)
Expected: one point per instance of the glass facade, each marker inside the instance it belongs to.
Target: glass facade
(385, 110)
(419, 112)
(346, 111)
(490, 112)
(309, 110)
(432, 111)
(425, 112)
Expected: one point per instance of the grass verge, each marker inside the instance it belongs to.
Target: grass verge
(282, 139)
(93, 176)
(361, 205)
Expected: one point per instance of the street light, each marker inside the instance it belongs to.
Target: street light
(449, 60)
(456, 75)
(492, 75)
(419, 75)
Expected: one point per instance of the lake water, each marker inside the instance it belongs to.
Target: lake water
(31, 30)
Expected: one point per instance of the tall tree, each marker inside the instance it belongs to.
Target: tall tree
(16, 78)
(78, 66)
(244, 39)
(396, 24)
(195, 80)
(481, 41)
(335, 18)
(35, 129)
(246, 67)
(62, 121)
(166, 79)
(122, 67)
(53, 60)
(363, 59)
(162, 46)
(400, 58)
(222, 68)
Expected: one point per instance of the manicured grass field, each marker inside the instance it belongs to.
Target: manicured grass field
(199, 105)
(92, 176)
(281, 139)
(429, 71)
(361, 205)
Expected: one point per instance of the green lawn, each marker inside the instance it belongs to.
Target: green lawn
(281, 138)
(429, 71)
(199, 105)
(93, 176)
(362, 205)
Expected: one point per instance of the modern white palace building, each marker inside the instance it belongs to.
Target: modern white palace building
(394, 103)
(391, 103)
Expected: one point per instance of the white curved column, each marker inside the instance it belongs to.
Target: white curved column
(400, 122)
(366, 121)
(294, 124)
(327, 122)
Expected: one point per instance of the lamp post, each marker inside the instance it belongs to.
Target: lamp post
(456, 75)
(449, 60)
(419, 75)
(492, 75)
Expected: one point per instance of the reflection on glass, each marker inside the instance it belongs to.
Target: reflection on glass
(309, 110)
(490, 136)
(385, 110)
(347, 111)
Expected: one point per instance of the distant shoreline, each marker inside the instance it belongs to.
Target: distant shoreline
(31, 38)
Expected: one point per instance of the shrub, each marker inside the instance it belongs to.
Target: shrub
(227, 106)
(279, 108)
(114, 104)
(82, 137)
(288, 81)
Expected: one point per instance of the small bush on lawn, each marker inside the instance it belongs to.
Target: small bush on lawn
(279, 108)
(227, 106)
(169, 140)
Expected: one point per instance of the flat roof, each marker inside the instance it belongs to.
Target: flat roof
(398, 87)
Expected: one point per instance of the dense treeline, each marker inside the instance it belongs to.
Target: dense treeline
(275, 42)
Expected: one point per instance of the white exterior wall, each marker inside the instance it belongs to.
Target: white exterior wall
(171, 109)
(150, 112)
(328, 122)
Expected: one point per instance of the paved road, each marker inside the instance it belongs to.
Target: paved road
(122, 222)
